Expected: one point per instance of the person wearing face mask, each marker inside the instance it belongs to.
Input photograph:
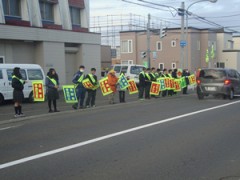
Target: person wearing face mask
(80, 89)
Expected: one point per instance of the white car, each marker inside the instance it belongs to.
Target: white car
(29, 72)
(130, 70)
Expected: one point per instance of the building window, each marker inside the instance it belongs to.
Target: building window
(230, 44)
(159, 46)
(173, 43)
(11, 7)
(174, 65)
(198, 45)
(220, 65)
(2, 59)
(46, 9)
(161, 66)
(126, 46)
(75, 15)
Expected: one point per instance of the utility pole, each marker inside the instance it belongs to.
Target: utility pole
(148, 41)
(182, 36)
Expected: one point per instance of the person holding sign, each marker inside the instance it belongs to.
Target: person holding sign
(52, 85)
(80, 89)
(142, 84)
(18, 86)
(122, 89)
(112, 81)
(92, 92)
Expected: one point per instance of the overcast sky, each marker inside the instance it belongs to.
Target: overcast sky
(224, 12)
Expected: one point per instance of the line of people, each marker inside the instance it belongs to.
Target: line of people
(151, 75)
(52, 86)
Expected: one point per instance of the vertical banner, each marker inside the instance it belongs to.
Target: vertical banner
(70, 94)
(167, 83)
(177, 84)
(192, 79)
(123, 82)
(132, 88)
(183, 82)
(155, 88)
(105, 88)
(161, 81)
(171, 84)
(38, 91)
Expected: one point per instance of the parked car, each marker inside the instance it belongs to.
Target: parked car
(218, 81)
(30, 72)
(131, 70)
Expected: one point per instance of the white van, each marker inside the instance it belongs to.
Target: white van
(30, 72)
(131, 70)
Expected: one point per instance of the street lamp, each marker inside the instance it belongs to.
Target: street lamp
(188, 13)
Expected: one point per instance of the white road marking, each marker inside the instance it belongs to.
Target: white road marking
(41, 155)
(6, 128)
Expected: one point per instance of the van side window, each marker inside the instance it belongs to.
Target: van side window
(1, 74)
(124, 69)
(22, 71)
(35, 74)
(117, 69)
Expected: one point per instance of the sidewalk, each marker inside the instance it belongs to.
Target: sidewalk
(41, 108)
(33, 109)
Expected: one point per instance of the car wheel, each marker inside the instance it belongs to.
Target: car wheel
(31, 98)
(1, 99)
(231, 94)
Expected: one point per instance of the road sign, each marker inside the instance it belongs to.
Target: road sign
(183, 43)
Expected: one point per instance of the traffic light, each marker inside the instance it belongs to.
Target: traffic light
(162, 33)
(143, 54)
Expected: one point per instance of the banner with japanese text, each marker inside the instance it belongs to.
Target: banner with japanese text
(161, 81)
(132, 88)
(155, 88)
(183, 82)
(171, 84)
(88, 84)
(177, 85)
(70, 94)
(38, 91)
(167, 83)
(123, 82)
(192, 79)
(104, 86)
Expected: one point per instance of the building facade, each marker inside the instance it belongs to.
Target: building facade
(166, 52)
(51, 33)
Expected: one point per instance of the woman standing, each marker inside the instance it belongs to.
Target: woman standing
(18, 86)
(52, 85)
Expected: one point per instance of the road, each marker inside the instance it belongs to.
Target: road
(178, 138)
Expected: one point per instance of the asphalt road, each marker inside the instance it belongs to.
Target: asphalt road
(178, 138)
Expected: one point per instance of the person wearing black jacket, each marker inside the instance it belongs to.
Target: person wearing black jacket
(148, 83)
(185, 74)
(52, 85)
(92, 93)
(142, 83)
(18, 86)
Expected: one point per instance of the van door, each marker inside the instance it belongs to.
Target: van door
(2, 84)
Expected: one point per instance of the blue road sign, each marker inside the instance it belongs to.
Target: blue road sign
(183, 43)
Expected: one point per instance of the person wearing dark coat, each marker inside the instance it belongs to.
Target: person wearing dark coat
(174, 75)
(18, 96)
(148, 83)
(185, 74)
(92, 93)
(142, 83)
(52, 85)
(80, 89)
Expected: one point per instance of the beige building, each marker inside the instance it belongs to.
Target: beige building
(166, 52)
(49, 33)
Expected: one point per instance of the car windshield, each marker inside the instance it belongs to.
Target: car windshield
(212, 74)
(117, 69)
(136, 69)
